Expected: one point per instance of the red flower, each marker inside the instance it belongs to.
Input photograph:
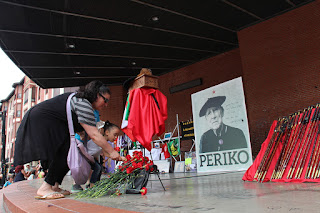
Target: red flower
(128, 157)
(129, 170)
(137, 153)
(118, 193)
(140, 165)
(143, 191)
(117, 149)
(134, 165)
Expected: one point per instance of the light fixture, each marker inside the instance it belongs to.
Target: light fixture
(71, 46)
(77, 73)
(133, 63)
(155, 18)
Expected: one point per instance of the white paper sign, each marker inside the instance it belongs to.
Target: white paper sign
(221, 128)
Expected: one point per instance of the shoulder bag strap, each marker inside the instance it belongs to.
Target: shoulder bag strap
(80, 145)
(69, 117)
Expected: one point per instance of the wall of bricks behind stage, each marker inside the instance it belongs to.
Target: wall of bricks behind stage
(279, 60)
(115, 107)
(281, 67)
(213, 71)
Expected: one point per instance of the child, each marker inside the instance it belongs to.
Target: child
(110, 132)
(10, 180)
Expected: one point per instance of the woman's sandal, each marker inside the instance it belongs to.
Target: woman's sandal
(50, 196)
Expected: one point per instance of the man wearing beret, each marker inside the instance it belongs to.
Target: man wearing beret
(219, 137)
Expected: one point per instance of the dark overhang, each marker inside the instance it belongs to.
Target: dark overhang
(65, 43)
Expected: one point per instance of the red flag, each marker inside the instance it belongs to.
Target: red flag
(148, 112)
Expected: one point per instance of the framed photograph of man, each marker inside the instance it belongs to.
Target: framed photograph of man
(221, 128)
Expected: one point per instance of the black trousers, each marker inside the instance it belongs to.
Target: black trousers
(58, 167)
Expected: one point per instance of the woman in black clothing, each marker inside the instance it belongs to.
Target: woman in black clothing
(19, 174)
(44, 134)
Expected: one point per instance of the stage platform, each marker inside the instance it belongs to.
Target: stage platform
(185, 192)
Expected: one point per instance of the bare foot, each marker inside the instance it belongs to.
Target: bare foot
(63, 191)
(58, 189)
(46, 189)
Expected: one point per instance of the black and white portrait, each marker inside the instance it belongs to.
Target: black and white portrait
(221, 128)
(220, 136)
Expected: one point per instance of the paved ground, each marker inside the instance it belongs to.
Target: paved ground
(213, 193)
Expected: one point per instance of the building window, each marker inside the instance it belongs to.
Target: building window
(33, 94)
(38, 93)
(47, 91)
(19, 95)
(18, 113)
(26, 96)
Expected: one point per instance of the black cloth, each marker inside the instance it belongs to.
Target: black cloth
(19, 177)
(43, 130)
(44, 135)
(58, 167)
(228, 138)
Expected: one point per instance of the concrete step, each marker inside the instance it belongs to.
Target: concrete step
(19, 198)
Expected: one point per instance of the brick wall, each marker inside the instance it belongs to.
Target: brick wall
(213, 71)
(281, 67)
(115, 108)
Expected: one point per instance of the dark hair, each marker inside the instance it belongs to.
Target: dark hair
(108, 126)
(18, 168)
(91, 90)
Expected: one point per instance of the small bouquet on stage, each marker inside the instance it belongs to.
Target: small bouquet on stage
(131, 178)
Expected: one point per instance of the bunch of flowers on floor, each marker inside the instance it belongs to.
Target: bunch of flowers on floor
(116, 183)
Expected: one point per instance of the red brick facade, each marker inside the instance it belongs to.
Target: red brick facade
(116, 106)
(281, 67)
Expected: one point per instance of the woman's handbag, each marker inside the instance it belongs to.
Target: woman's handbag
(78, 158)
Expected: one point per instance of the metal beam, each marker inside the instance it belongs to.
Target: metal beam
(94, 55)
(87, 67)
(102, 40)
(85, 77)
(184, 15)
(241, 9)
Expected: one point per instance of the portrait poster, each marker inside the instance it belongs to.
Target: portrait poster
(221, 128)
(190, 162)
(179, 166)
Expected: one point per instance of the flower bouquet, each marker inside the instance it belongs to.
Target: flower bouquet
(131, 177)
